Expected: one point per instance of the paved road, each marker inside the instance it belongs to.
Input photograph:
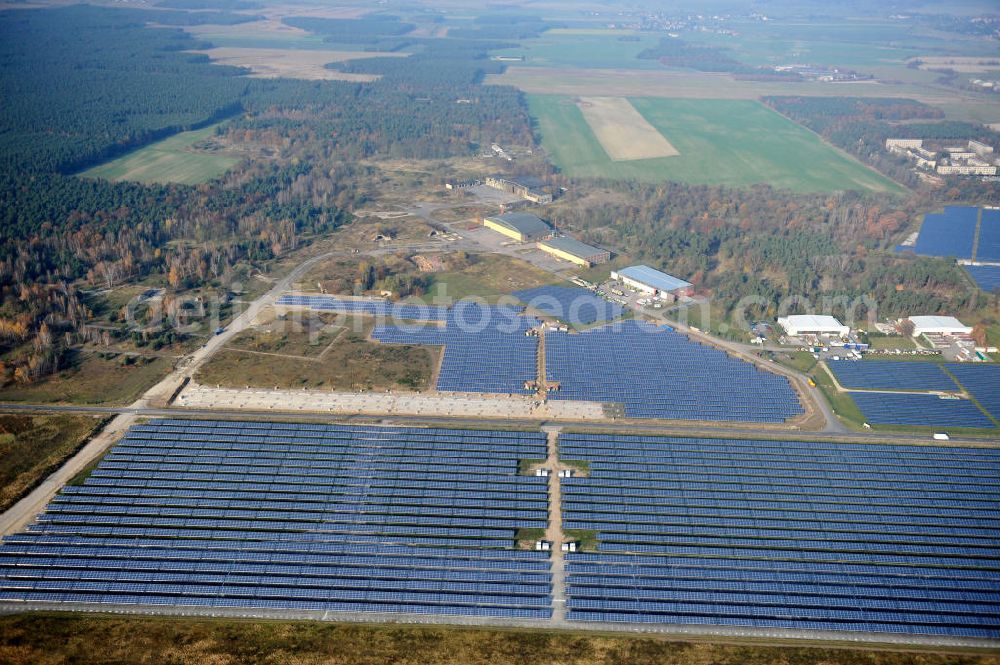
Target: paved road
(22, 512)
(661, 428)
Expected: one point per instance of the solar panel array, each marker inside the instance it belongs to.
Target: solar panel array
(891, 375)
(785, 534)
(982, 380)
(658, 373)
(950, 233)
(294, 516)
(986, 277)
(379, 308)
(486, 349)
(988, 248)
(569, 304)
(919, 410)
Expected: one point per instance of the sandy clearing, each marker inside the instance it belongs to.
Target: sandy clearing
(294, 63)
(622, 131)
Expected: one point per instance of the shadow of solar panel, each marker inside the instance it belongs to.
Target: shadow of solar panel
(287, 516)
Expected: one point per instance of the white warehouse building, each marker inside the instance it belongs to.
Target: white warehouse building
(938, 325)
(812, 324)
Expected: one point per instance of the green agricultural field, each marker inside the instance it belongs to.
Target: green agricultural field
(724, 142)
(176, 159)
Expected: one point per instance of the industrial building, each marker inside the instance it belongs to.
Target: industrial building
(528, 188)
(813, 324)
(520, 226)
(575, 251)
(903, 143)
(938, 325)
(651, 281)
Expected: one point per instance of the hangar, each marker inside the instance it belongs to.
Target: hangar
(812, 324)
(520, 226)
(573, 250)
(649, 280)
(938, 325)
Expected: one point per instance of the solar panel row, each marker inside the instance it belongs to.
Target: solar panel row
(891, 375)
(187, 525)
(988, 247)
(920, 410)
(570, 304)
(657, 373)
(986, 277)
(723, 532)
(950, 233)
(486, 349)
(982, 380)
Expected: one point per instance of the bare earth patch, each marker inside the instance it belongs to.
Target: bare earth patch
(308, 64)
(622, 131)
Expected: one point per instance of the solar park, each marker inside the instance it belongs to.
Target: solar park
(294, 516)
(486, 349)
(658, 373)
(916, 406)
(572, 305)
(961, 232)
(982, 381)
(769, 534)
(359, 520)
(891, 375)
(917, 410)
(986, 277)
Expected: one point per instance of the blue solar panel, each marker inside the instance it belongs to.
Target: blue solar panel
(982, 380)
(658, 373)
(569, 304)
(988, 247)
(919, 410)
(950, 233)
(486, 349)
(890, 375)
(730, 532)
(363, 530)
(986, 277)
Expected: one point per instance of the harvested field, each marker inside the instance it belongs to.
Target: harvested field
(308, 64)
(622, 131)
